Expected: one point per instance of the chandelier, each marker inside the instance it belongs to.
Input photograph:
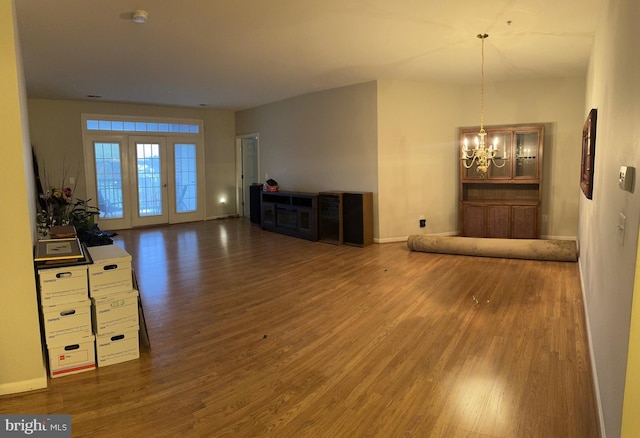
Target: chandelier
(481, 154)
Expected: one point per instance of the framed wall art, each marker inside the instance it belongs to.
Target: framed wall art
(588, 153)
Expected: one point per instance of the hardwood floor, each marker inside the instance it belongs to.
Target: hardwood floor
(255, 334)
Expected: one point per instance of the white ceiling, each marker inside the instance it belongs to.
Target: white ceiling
(235, 54)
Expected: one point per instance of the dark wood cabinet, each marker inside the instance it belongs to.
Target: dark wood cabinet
(504, 202)
(475, 221)
(334, 217)
(330, 222)
(255, 194)
(524, 224)
(505, 221)
(357, 213)
(291, 213)
(498, 221)
(346, 217)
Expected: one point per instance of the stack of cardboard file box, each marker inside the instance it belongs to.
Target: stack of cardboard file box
(114, 305)
(66, 316)
(89, 306)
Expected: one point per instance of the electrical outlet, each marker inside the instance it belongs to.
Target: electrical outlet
(423, 222)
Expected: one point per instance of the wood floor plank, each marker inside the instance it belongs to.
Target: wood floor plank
(255, 334)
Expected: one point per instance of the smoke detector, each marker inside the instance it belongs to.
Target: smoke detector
(140, 16)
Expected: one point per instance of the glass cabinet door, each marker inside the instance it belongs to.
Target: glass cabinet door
(501, 165)
(526, 163)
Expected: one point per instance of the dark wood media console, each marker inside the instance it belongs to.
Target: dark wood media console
(291, 213)
(332, 217)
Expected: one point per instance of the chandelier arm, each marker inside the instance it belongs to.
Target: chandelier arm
(473, 160)
(496, 164)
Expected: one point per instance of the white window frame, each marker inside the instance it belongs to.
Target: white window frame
(122, 137)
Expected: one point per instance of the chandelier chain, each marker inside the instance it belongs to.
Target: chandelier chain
(482, 37)
(482, 156)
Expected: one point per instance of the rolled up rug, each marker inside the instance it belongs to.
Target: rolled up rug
(530, 249)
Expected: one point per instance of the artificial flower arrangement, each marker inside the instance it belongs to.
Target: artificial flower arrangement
(60, 208)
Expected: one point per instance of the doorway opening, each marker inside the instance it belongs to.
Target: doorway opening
(247, 171)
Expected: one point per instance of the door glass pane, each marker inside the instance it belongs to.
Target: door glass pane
(109, 180)
(149, 179)
(526, 154)
(186, 178)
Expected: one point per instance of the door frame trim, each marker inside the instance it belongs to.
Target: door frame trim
(123, 137)
(240, 170)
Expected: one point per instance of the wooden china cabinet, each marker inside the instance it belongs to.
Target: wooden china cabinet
(504, 202)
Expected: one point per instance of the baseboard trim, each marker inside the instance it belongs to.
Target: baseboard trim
(558, 237)
(404, 239)
(24, 385)
(594, 371)
(224, 216)
(390, 239)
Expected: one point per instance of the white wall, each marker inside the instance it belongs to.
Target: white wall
(21, 355)
(559, 104)
(220, 168)
(56, 133)
(320, 141)
(418, 148)
(409, 152)
(417, 158)
(606, 265)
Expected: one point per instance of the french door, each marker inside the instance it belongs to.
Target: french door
(145, 180)
(149, 190)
